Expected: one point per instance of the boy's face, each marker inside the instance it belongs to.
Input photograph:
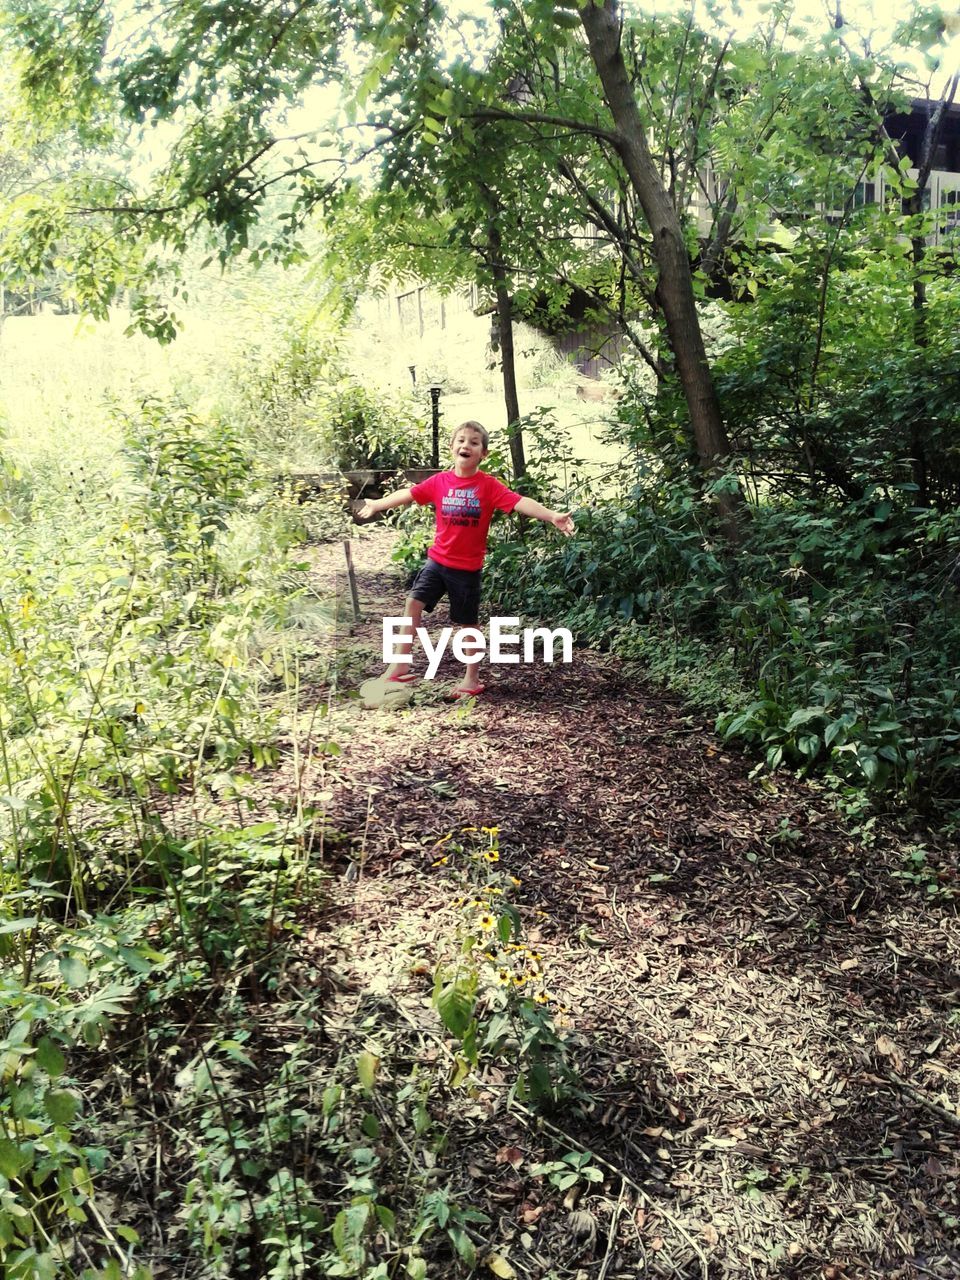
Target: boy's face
(468, 451)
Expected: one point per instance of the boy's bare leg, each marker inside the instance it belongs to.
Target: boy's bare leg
(412, 610)
(471, 679)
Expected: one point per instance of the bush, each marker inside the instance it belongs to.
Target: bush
(298, 407)
(828, 640)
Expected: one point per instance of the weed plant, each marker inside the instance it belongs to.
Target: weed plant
(144, 613)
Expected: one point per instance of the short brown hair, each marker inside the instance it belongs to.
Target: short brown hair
(481, 431)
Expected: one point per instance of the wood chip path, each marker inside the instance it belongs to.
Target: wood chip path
(766, 1021)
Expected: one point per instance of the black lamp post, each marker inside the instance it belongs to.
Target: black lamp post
(435, 417)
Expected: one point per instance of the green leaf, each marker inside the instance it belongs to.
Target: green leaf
(12, 1158)
(803, 716)
(135, 960)
(74, 971)
(869, 764)
(18, 926)
(367, 1066)
(235, 1052)
(50, 1059)
(463, 1245)
(61, 1106)
(455, 1002)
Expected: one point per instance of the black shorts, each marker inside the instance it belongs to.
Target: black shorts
(460, 586)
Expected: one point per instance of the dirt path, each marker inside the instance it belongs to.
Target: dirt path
(765, 1021)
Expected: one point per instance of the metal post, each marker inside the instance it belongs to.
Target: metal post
(435, 411)
(352, 580)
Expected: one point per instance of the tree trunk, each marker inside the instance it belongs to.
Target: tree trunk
(918, 434)
(507, 356)
(675, 284)
(912, 207)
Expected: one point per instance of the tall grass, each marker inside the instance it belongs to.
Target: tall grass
(152, 594)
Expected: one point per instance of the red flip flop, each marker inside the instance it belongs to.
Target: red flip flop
(459, 694)
(399, 679)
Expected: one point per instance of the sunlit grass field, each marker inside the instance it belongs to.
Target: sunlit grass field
(59, 374)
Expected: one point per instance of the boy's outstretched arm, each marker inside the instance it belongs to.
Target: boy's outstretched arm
(561, 520)
(400, 498)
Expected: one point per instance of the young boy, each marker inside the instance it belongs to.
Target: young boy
(465, 500)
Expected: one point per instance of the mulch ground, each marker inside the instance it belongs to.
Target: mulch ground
(765, 1021)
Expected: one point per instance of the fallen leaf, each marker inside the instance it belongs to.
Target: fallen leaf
(510, 1155)
(711, 1235)
(849, 964)
(500, 1266)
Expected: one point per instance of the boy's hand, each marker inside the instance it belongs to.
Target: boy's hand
(368, 510)
(564, 522)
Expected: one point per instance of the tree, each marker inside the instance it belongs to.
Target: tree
(545, 120)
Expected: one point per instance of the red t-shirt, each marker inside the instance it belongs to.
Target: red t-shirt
(464, 511)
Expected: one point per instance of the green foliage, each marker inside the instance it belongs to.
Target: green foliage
(416, 526)
(359, 428)
(145, 610)
(299, 405)
(493, 998)
(828, 639)
(855, 403)
(571, 1168)
(191, 479)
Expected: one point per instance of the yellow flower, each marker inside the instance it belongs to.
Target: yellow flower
(492, 855)
(519, 979)
(487, 921)
(541, 998)
(514, 880)
(490, 831)
(503, 977)
(465, 829)
(442, 862)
